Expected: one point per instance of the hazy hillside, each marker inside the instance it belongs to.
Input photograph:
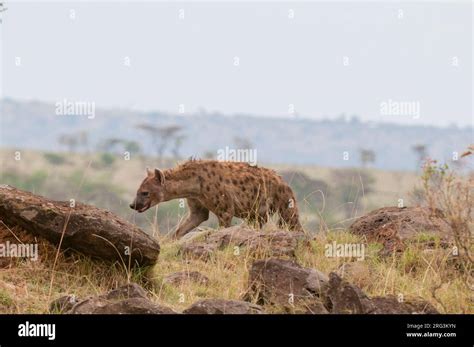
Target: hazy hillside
(292, 141)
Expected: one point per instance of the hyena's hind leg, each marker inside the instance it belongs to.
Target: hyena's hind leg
(197, 214)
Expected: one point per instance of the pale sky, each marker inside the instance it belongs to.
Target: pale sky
(245, 57)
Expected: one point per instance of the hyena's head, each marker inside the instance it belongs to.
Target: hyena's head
(150, 192)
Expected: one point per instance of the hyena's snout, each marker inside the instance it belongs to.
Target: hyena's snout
(135, 205)
(140, 206)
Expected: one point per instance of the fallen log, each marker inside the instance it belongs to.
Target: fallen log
(87, 229)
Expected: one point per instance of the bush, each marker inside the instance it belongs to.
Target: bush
(107, 159)
(54, 158)
(452, 195)
(33, 183)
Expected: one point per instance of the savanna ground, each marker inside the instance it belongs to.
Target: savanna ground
(332, 199)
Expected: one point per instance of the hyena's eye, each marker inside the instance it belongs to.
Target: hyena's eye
(145, 194)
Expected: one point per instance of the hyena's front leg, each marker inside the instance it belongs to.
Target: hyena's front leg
(225, 212)
(197, 214)
(225, 220)
(225, 217)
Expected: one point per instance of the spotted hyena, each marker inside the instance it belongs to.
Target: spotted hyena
(228, 189)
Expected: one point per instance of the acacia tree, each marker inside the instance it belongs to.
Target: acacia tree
(118, 145)
(110, 144)
(161, 136)
(70, 141)
(178, 142)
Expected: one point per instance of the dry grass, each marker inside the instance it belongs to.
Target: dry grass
(25, 284)
(451, 194)
(431, 273)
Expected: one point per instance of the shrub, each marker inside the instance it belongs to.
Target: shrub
(54, 158)
(107, 159)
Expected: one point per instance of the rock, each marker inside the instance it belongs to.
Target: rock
(63, 304)
(392, 226)
(178, 278)
(390, 305)
(201, 251)
(348, 298)
(316, 307)
(274, 243)
(284, 282)
(194, 235)
(126, 306)
(130, 299)
(87, 229)
(131, 290)
(220, 306)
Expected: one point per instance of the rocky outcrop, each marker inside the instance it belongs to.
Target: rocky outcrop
(303, 290)
(129, 299)
(220, 306)
(87, 229)
(392, 226)
(346, 298)
(392, 305)
(284, 282)
(266, 243)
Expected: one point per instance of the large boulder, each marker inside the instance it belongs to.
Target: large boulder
(392, 305)
(129, 299)
(273, 243)
(221, 306)
(87, 229)
(346, 298)
(285, 283)
(392, 226)
(303, 290)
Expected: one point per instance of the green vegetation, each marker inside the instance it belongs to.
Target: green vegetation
(55, 158)
(107, 159)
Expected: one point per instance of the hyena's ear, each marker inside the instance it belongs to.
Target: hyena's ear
(160, 176)
(149, 172)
